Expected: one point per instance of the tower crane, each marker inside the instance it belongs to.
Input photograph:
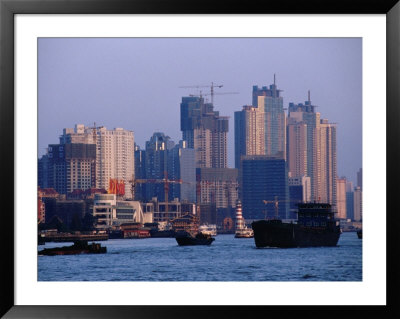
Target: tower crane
(212, 86)
(212, 96)
(164, 181)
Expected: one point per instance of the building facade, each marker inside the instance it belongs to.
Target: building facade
(114, 153)
(270, 102)
(320, 146)
(341, 198)
(205, 131)
(358, 204)
(249, 133)
(182, 167)
(264, 178)
(71, 167)
(218, 186)
(115, 157)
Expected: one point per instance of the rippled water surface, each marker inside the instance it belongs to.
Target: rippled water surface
(227, 259)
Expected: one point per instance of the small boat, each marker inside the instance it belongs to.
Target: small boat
(208, 229)
(79, 247)
(244, 233)
(359, 233)
(187, 239)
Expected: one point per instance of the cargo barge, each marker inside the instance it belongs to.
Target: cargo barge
(79, 247)
(316, 226)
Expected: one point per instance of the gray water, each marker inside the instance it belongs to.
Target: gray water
(227, 259)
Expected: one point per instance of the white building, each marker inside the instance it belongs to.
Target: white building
(110, 212)
(114, 153)
(115, 158)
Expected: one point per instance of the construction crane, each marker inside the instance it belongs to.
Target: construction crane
(164, 181)
(276, 204)
(212, 96)
(212, 86)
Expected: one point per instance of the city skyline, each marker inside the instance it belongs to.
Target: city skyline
(136, 84)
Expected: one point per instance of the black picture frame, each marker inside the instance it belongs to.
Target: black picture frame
(8, 8)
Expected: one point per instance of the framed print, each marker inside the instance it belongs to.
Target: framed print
(86, 84)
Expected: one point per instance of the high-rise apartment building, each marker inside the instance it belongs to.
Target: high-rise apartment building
(205, 131)
(297, 148)
(307, 133)
(264, 178)
(156, 164)
(249, 133)
(270, 102)
(341, 198)
(71, 166)
(300, 117)
(115, 157)
(358, 204)
(114, 153)
(327, 165)
(181, 166)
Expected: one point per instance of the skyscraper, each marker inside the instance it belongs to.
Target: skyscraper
(156, 165)
(358, 204)
(115, 157)
(114, 153)
(341, 198)
(320, 146)
(300, 117)
(181, 166)
(205, 131)
(71, 166)
(264, 178)
(249, 133)
(270, 103)
(297, 148)
(327, 164)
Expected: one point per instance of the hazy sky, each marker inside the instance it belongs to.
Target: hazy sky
(134, 83)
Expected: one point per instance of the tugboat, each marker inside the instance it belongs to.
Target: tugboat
(241, 231)
(315, 227)
(79, 247)
(185, 238)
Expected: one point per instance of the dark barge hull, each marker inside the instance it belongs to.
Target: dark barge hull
(186, 239)
(274, 233)
(190, 241)
(76, 249)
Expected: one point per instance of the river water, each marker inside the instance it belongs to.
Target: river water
(226, 259)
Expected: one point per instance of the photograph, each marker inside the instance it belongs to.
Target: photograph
(247, 152)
